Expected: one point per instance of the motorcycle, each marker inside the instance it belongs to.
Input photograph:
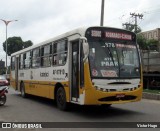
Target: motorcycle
(3, 97)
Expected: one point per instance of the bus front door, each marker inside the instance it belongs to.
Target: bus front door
(75, 71)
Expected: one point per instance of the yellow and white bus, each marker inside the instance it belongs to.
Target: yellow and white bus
(86, 66)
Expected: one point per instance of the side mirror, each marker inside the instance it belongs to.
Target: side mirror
(85, 47)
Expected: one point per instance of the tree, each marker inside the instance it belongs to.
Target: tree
(145, 44)
(27, 44)
(142, 42)
(153, 44)
(15, 44)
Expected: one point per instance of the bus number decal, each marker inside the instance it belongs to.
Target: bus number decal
(59, 72)
(95, 33)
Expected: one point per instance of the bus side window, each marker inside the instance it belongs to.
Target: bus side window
(36, 58)
(21, 61)
(24, 59)
(27, 60)
(42, 56)
(60, 53)
(30, 65)
(46, 56)
(54, 59)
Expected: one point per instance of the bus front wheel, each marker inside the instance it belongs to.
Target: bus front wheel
(61, 99)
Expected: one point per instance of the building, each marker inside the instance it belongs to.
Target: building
(152, 34)
(2, 64)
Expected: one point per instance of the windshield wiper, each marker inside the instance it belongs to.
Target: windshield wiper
(110, 54)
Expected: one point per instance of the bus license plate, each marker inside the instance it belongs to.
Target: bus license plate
(120, 95)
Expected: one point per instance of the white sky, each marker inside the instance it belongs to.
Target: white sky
(39, 20)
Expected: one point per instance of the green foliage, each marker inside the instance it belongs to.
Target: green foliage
(142, 42)
(145, 44)
(153, 44)
(27, 44)
(15, 44)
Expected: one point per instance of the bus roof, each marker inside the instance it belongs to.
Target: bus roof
(80, 31)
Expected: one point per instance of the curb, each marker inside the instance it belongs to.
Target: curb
(151, 96)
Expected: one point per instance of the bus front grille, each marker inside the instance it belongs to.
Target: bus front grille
(114, 98)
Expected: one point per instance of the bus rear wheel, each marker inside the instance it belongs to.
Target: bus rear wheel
(61, 99)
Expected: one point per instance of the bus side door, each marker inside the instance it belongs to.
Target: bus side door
(75, 71)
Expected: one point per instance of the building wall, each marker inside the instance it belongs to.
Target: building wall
(152, 34)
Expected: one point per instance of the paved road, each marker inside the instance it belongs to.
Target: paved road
(35, 109)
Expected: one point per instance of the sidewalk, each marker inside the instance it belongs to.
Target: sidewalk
(152, 96)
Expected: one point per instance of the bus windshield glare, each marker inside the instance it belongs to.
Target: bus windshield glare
(114, 59)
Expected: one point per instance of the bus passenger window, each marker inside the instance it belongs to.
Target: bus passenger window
(24, 59)
(46, 56)
(55, 60)
(21, 61)
(36, 58)
(27, 60)
(60, 53)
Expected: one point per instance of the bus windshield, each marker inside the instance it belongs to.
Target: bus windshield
(117, 59)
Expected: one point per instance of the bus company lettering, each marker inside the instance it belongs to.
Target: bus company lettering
(59, 72)
(115, 35)
(44, 74)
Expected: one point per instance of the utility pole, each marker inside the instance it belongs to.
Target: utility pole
(134, 15)
(127, 25)
(102, 13)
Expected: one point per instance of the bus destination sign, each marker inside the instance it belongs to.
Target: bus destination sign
(111, 35)
(115, 35)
